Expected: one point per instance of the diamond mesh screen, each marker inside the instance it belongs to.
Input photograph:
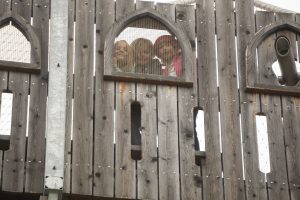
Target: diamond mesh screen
(13, 45)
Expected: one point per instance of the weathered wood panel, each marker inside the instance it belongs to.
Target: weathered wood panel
(104, 107)
(147, 166)
(298, 35)
(190, 177)
(147, 176)
(168, 149)
(291, 126)
(271, 106)
(82, 176)
(125, 94)
(38, 99)
(69, 98)
(250, 105)
(14, 158)
(4, 7)
(208, 100)
(229, 101)
(266, 49)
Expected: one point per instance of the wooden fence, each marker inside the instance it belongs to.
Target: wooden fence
(98, 160)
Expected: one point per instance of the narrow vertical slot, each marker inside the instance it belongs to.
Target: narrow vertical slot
(199, 135)
(5, 120)
(136, 130)
(263, 143)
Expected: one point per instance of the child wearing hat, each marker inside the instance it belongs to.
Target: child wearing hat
(168, 50)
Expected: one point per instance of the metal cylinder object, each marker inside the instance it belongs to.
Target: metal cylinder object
(286, 61)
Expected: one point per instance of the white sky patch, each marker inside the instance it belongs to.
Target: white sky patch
(6, 113)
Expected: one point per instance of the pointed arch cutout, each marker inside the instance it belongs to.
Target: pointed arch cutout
(252, 84)
(27, 30)
(186, 51)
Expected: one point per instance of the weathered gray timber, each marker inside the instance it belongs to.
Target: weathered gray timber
(190, 177)
(254, 179)
(147, 175)
(18, 83)
(38, 99)
(291, 127)
(229, 101)
(69, 98)
(125, 179)
(271, 107)
(104, 107)
(168, 152)
(125, 94)
(208, 99)
(82, 177)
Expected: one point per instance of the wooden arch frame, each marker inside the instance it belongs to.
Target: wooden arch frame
(187, 59)
(27, 30)
(252, 84)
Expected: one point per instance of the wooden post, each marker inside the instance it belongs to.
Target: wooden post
(57, 97)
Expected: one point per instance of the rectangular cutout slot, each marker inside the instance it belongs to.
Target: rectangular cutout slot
(136, 153)
(5, 120)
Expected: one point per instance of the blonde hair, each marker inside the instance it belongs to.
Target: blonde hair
(125, 64)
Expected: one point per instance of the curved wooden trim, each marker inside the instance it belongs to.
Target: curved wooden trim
(251, 82)
(176, 29)
(24, 26)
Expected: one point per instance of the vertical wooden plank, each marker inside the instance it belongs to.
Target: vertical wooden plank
(38, 99)
(69, 98)
(291, 127)
(125, 94)
(290, 110)
(277, 178)
(229, 101)
(254, 179)
(104, 107)
(14, 158)
(83, 99)
(266, 74)
(208, 99)
(5, 6)
(271, 106)
(298, 35)
(168, 149)
(190, 177)
(147, 176)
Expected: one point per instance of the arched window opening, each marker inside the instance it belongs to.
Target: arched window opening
(13, 45)
(146, 46)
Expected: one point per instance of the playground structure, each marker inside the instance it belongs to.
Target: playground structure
(82, 115)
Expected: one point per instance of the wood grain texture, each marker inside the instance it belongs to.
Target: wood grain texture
(208, 100)
(266, 49)
(14, 158)
(250, 105)
(38, 99)
(82, 176)
(147, 167)
(147, 174)
(4, 7)
(125, 178)
(229, 101)
(168, 149)
(291, 127)
(298, 35)
(104, 107)
(271, 106)
(190, 177)
(69, 99)
(290, 111)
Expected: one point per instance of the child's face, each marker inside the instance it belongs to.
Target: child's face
(121, 50)
(166, 51)
(143, 55)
